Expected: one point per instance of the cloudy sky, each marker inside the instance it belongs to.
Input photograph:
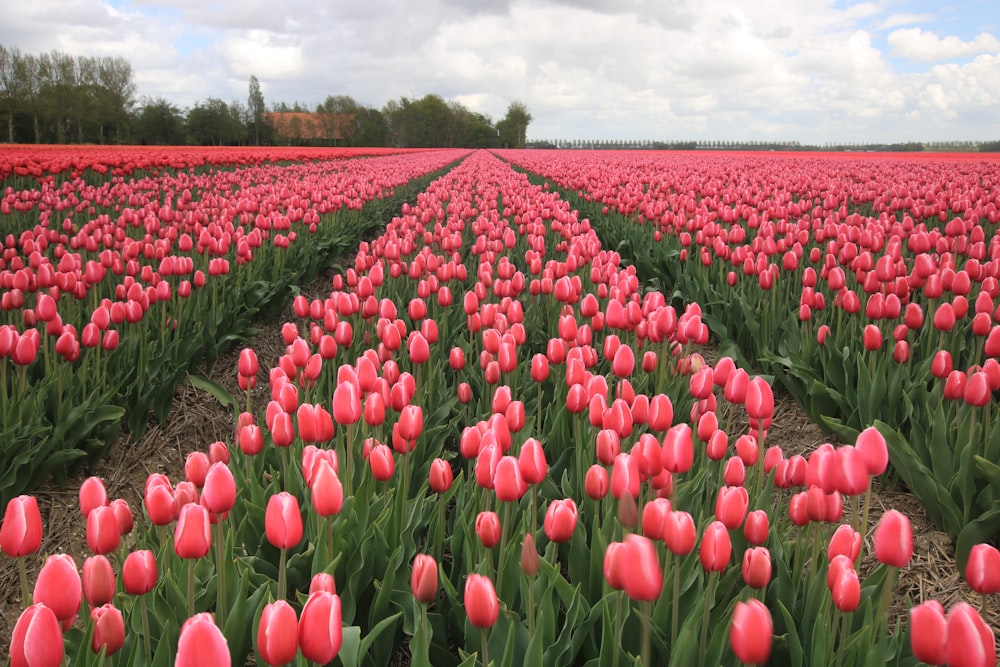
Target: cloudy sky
(814, 71)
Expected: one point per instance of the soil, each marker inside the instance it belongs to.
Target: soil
(198, 420)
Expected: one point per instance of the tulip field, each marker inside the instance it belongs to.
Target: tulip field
(527, 421)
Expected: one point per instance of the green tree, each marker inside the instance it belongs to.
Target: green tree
(158, 122)
(342, 116)
(117, 94)
(211, 123)
(514, 126)
(255, 105)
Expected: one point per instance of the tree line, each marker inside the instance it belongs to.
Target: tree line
(55, 97)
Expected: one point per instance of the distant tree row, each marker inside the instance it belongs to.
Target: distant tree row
(58, 98)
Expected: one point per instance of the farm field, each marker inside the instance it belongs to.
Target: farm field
(529, 413)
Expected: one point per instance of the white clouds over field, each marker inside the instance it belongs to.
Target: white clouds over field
(807, 70)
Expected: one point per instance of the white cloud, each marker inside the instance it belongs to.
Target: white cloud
(917, 44)
(811, 70)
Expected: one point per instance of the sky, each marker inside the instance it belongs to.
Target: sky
(813, 71)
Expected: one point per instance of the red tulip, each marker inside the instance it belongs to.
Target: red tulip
(201, 643)
(488, 528)
(382, 463)
(424, 580)
(21, 530)
(283, 521)
(941, 365)
(530, 561)
(441, 476)
(247, 365)
(756, 567)
(346, 403)
(320, 627)
(970, 640)
(277, 633)
(411, 422)
(139, 572)
(760, 400)
(103, 533)
(643, 576)
(625, 476)
(735, 472)
(751, 632)
(531, 461)
(944, 317)
(755, 527)
(192, 536)
(982, 570)
(481, 603)
(596, 483)
(731, 506)
(846, 590)
(98, 581)
(37, 638)
(58, 587)
(92, 494)
(109, 629)
(871, 337)
(560, 520)
(678, 451)
(929, 632)
(679, 533)
(716, 548)
(871, 443)
(219, 492)
(322, 581)
(456, 358)
(654, 515)
(327, 491)
(845, 541)
(894, 539)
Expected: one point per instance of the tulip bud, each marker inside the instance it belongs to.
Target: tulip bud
(92, 494)
(201, 643)
(488, 529)
(893, 539)
(424, 580)
(756, 567)
(846, 590)
(139, 572)
(481, 603)
(109, 629)
(716, 548)
(970, 641)
(98, 581)
(58, 587)
(192, 538)
(929, 632)
(103, 533)
(21, 530)
(560, 520)
(277, 637)
(37, 639)
(755, 527)
(283, 521)
(751, 632)
(530, 561)
(982, 570)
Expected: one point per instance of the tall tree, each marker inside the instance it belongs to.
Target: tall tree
(158, 122)
(118, 91)
(9, 93)
(342, 116)
(514, 126)
(255, 105)
(211, 123)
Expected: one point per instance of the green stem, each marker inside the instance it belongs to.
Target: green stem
(282, 585)
(618, 628)
(709, 597)
(145, 630)
(190, 587)
(25, 591)
(486, 658)
(677, 602)
(220, 567)
(647, 610)
(503, 547)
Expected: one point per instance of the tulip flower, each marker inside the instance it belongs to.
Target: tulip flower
(481, 603)
(92, 494)
(508, 485)
(756, 568)
(755, 527)
(929, 632)
(894, 539)
(219, 490)
(37, 638)
(201, 643)
(382, 463)
(846, 590)
(731, 506)
(970, 641)
(845, 541)
(751, 632)
(982, 570)
(277, 633)
(488, 528)
(192, 538)
(139, 572)
(58, 587)
(596, 483)
(21, 530)
(98, 581)
(560, 520)
(716, 548)
(424, 579)
(109, 629)
(320, 628)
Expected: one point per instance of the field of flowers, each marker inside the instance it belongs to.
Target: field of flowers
(494, 441)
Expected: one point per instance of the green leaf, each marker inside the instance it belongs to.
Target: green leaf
(220, 393)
